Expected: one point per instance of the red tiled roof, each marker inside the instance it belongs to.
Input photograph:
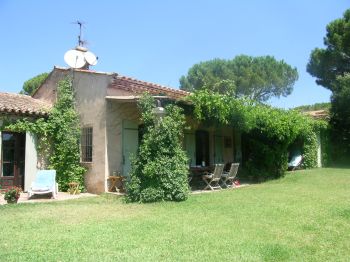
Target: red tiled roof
(22, 105)
(138, 87)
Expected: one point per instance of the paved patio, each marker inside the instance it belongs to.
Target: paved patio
(46, 198)
(197, 190)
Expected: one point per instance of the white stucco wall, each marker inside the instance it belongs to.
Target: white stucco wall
(31, 161)
(319, 151)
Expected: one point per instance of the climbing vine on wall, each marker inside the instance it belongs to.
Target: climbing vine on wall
(58, 136)
(269, 131)
(160, 170)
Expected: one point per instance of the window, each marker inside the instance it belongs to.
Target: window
(86, 144)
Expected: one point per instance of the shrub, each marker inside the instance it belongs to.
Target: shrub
(159, 171)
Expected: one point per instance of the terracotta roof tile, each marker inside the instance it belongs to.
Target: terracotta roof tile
(137, 86)
(22, 105)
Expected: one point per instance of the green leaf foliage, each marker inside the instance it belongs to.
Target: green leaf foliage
(59, 136)
(257, 78)
(340, 119)
(64, 130)
(159, 171)
(31, 85)
(326, 64)
(331, 67)
(269, 132)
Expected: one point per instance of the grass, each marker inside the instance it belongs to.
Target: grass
(304, 216)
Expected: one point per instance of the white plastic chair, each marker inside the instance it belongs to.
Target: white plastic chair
(44, 183)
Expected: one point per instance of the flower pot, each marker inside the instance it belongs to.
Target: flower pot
(12, 201)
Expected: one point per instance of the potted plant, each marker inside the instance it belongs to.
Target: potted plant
(12, 194)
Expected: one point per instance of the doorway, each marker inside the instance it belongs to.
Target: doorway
(12, 159)
(130, 144)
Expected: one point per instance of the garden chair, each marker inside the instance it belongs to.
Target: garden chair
(212, 179)
(228, 177)
(44, 183)
(295, 162)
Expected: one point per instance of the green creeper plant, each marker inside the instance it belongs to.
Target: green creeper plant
(268, 131)
(159, 170)
(58, 136)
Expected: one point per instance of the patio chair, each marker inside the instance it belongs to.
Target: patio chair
(44, 183)
(295, 162)
(212, 179)
(228, 177)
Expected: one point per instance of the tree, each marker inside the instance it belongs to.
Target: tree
(317, 106)
(340, 116)
(258, 78)
(327, 64)
(331, 67)
(31, 85)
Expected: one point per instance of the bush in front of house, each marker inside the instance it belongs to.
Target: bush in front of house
(159, 170)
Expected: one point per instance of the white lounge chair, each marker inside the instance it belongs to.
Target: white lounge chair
(212, 179)
(295, 162)
(228, 177)
(44, 183)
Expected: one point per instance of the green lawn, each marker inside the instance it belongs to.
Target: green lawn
(304, 216)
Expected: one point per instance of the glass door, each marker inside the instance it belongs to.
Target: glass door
(13, 159)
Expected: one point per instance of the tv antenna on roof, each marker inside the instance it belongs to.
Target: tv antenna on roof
(80, 57)
(80, 24)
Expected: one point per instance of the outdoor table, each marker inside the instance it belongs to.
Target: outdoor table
(197, 171)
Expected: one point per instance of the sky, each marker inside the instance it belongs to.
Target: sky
(159, 40)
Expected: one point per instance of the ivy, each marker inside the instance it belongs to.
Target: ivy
(58, 137)
(159, 171)
(269, 131)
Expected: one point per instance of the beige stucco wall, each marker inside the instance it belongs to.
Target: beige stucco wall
(90, 92)
(48, 91)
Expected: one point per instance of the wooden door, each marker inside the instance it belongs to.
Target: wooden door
(13, 159)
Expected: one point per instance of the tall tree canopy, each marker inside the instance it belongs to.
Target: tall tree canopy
(340, 117)
(331, 67)
(326, 64)
(258, 78)
(31, 85)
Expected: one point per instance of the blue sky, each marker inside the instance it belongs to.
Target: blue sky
(159, 40)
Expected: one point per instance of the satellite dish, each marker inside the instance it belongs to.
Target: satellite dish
(75, 58)
(90, 58)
